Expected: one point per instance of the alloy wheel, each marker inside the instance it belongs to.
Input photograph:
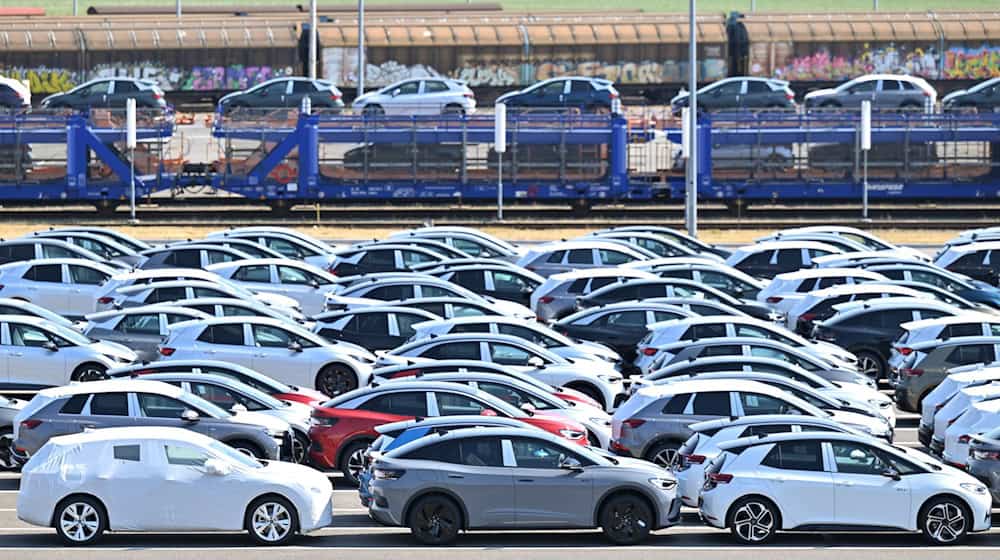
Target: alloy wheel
(665, 457)
(945, 522)
(91, 373)
(627, 521)
(335, 381)
(356, 463)
(80, 521)
(435, 521)
(271, 522)
(753, 522)
(6, 451)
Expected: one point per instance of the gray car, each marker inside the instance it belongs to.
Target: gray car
(884, 91)
(8, 410)
(488, 478)
(929, 362)
(139, 328)
(116, 403)
(984, 460)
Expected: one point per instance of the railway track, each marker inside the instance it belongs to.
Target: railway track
(711, 215)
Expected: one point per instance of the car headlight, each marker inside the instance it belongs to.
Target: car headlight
(571, 434)
(663, 483)
(278, 434)
(973, 487)
(610, 378)
(879, 403)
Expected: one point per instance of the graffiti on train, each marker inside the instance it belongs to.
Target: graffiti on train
(44, 80)
(804, 62)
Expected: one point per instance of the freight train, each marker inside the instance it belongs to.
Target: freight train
(205, 55)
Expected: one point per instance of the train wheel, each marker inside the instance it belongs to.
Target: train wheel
(581, 208)
(106, 207)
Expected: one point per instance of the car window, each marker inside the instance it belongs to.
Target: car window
(189, 258)
(86, 275)
(554, 257)
(531, 453)
(185, 456)
(126, 453)
(696, 332)
(512, 395)
(224, 397)
(470, 328)
(968, 329)
(665, 316)
(721, 350)
(140, 323)
(508, 355)
(509, 282)
(554, 88)
(434, 86)
(427, 290)
(613, 258)
(856, 458)
(892, 318)
(677, 404)
(277, 88)
(214, 257)
(580, 256)
(454, 351)
(235, 311)
(580, 86)
(158, 295)
(863, 87)
(409, 403)
(44, 273)
(405, 322)
(302, 86)
(467, 310)
(796, 456)
(289, 249)
(26, 335)
(158, 406)
(474, 280)
(390, 293)
(711, 403)
(109, 404)
(765, 429)
(454, 404)
(755, 404)
(472, 248)
(371, 323)
(756, 86)
(407, 88)
(231, 334)
(789, 259)
(200, 292)
(762, 258)
(23, 252)
(256, 273)
(75, 404)
(292, 275)
(971, 354)
(266, 336)
(411, 258)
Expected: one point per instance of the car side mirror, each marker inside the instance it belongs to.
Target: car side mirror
(396, 92)
(569, 463)
(217, 467)
(190, 416)
(294, 346)
(238, 408)
(263, 93)
(528, 407)
(539, 92)
(488, 412)
(314, 284)
(892, 473)
(50, 346)
(535, 361)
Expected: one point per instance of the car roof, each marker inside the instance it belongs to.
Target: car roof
(258, 261)
(863, 288)
(165, 307)
(113, 386)
(955, 341)
(463, 420)
(165, 272)
(789, 244)
(181, 363)
(130, 433)
(194, 283)
(764, 419)
(474, 432)
(797, 436)
(696, 385)
(586, 243)
(807, 273)
(60, 260)
(963, 317)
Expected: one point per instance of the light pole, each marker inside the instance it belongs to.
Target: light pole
(177, 6)
(361, 47)
(312, 39)
(691, 190)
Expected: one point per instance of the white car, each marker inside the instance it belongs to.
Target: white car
(703, 445)
(68, 287)
(871, 242)
(597, 379)
(99, 244)
(547, 259)
(232, 307)
(20, 89)
(770, 258)
(759, 486)
(396, 288)
(785, 290)
(10, 306)
(198, 484)
(957, 379)
(718, 326)
(175, 290)
(39, 353)
(275, 348)
(980, 418)
(556, 296)
(290, 243)
(306, 284)
(529, 330)
(419, 96)
(960, 403)
(474, 243)
(139, 328)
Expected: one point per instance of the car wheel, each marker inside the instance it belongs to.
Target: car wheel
(300, 448)
(7, 461)
(829, 105)
(663, 454)
(352, 461)
(626, 519)
(870, 364)
(453, 110)
(910, 107)
(248, 448)
(435, 520)
(588, 390)
(754, 521)
(89, 372)
(80, 520)
(945, 521)
(336, 379)
(373, 111)
(271, 521)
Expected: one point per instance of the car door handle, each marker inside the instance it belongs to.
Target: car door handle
(89, 426)
(780, 479)
(845, 483)
(18, 354)
(525, 480)
(455, 476)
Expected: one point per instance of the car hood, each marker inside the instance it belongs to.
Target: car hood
(953, 95)
(118, 352)
(820, 93)
(359, 353)
(364, 97)
(277, 300)
(45, 100)
(599, 350)
(633, 465)
(299, 475)
(509, 95)
(271, 423)
(296, 415)
(511, 308)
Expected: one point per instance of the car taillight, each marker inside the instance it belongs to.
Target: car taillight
(319, 420)
(807, 316)
(649, 351)
(720, 478)
(983, 455)
(614, 95)
(906, 351)
(633, 423)
(105, 300)
(964, 438)
(790, 95)
(469, 95)
(926, 93)
(694, 459)
(404, 373)
(31, 424)
(332, 270)
(546, 299)
(157, 95)
(335, 96)
(915, 372)
(952, 421)
(774, 299)
(167, 351)
(388, 474)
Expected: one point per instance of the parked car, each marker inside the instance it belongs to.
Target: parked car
(767, 260)
(660, 246)
(739, 93)
(727, 280)
(953, 422)
(983, 97)
(639, 289)
(232, 307)
(401, 288)
(285, 92)
(441, 248)
(820, 305)
(68, 287)
(962, 286)
(879, 486)
(949, 326)
(190, 256)
(449, 307)
(140, 329)
(930, 362)
(44, 354)
(10, 306)
(984, 460)
(975, 260)
(272, 501)
(107, 248)
(979, 418)
(427, 96)
(786, 290)
(620, 326)
(111, 93)
(9, 408)
(14, 95)
(248, 246)
(380, 258)
(306, 284)
(626, 498)
(118, 403)
(473, 243)
(556, 296)
(884, 91)
(376, 327)
(125, 239)
(344, 427)
(26, 249)
(505, 282)
(563, 256)
(692, 243)
(276, 348)
(589, 95)
(869, 240)
(169, 291)
(288, 242)
(956, 379)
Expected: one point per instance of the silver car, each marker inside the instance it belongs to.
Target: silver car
(65, 286)
(419, 96)
(106, 247)
(139, 328)
(556, 297)
(557, 486)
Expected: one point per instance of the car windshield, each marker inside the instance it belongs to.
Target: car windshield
(69, 334)
(234, 455)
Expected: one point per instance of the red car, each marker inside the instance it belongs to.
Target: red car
(344, 426)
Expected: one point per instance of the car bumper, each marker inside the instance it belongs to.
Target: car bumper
(905, 400)
(689, 483)
(936, 446)
(321, 517)
(988, 472)
(672, 516)
(712, 509)
(319, 456)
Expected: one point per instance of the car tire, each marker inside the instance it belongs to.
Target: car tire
(871, 364)
(352, 460)
(830, 105)
(626, 519)
(300, 448)
(80, 520)
(910, 106)
(373, 111)
(271, 521)
(453, 109)
(89, 372)
(435, 520)
(336, 379)
(945, 521)
(248, 448)
(663, 454)
(754, 520)
(7, 462)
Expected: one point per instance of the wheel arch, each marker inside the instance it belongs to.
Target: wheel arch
(67, 497)
(951, 495)
(272, 494)
(436, 491)
(759, 496)
(365, 437)
(626, 491)
(664, 438)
